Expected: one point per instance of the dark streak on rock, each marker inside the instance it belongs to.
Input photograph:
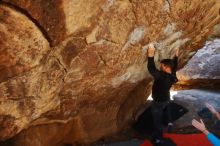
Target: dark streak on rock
(24, 12)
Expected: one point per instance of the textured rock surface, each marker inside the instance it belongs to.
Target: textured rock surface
(77, 70)
(204, 64)
(216, 32)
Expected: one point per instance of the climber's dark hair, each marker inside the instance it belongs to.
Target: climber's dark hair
(168, 62)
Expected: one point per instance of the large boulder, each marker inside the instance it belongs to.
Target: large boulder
(75, 71)
(202, 70)
(204, 64)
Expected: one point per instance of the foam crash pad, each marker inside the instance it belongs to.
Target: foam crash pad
(184, 140)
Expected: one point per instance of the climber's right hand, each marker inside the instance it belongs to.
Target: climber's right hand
(151, 50)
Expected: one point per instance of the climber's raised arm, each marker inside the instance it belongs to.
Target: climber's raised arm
(151, 64)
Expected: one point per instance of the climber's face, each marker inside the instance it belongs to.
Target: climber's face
(165, 68)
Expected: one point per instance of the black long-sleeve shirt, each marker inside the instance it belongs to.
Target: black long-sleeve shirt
(162, 81)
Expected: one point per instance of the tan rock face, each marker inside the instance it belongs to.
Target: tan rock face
(77, 70)
(22, 44)
(47, 14)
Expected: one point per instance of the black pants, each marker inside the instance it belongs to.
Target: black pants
(158, 110)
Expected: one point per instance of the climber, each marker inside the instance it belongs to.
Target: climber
(163, 80)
